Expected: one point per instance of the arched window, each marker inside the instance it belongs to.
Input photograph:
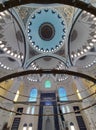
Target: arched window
(72, 126)
(28, 109)
(25, 126)
(32, 110)
(30, 126)
(33, 95)
(47, 84)
(62, 94)
(63, 109)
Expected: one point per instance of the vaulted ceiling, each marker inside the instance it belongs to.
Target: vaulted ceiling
(47, 37)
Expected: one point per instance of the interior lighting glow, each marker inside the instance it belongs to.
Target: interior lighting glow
(2, 45)
(91, 44)
(32, 63)
(2, 65)
(18, 56)
(72, 128)
(63, 109)
(84, 12)
(88, 13)
(94, 19)
(34, 67)
(86, 66)
(88, 47)
(25, 128)
(75, 55)
(93, 40)
(30, 41)
(5, 49)
(22, 57)
(78, 54)
(12, 53)
(82, 52)
(32, 110)
(0, 17)
(78, 94)
(28, 30)
(5, 67)
(2, 13)
(16, 96)
(30, 128)
(0, 42)
(89, 65)
(68, 109)
(8, 51)
(47, 50)
(6, 12)
(15, 55)
(85, 50)
(92, 63)
(92, 15)
(28, 110)
(94, 36)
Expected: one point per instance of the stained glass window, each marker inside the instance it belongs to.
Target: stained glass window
(62, 94)
(33, 95)
(47, 84)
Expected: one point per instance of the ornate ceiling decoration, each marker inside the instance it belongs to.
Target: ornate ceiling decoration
(47, 35)
(83, 38)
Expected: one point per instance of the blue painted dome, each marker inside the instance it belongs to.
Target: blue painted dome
(46, 30)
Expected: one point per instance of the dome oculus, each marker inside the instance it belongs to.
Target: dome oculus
(46, 30)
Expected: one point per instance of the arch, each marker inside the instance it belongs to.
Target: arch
(79, 4)
(62, 59)
(68, 72)
(25, 126)
(62, 94)
(33, 95)
(87, 54)
(30, 126)
(72, 126)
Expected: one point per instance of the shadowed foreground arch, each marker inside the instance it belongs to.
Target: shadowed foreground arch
(68, 72)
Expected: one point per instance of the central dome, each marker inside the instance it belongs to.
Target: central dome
(46, 29)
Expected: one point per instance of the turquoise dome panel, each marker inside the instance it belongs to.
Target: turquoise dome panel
(46, 30)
